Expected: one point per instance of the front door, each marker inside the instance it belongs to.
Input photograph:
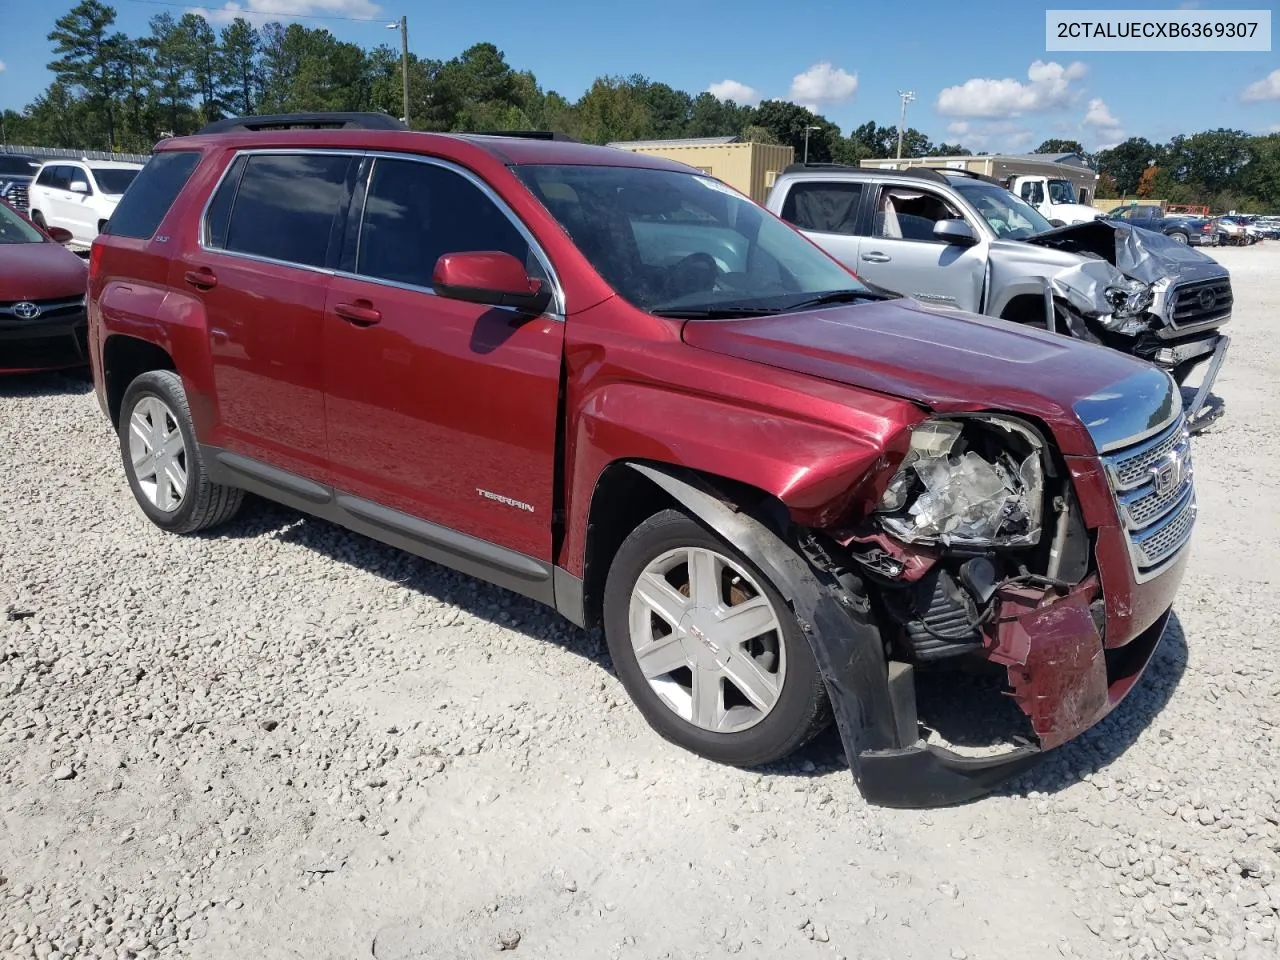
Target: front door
(79, 206)
(260, 273)
(443, 410)
(902, 255)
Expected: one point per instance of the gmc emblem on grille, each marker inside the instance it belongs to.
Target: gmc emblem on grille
(1168, 475)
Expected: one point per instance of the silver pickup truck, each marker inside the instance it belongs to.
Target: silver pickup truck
(957, 239)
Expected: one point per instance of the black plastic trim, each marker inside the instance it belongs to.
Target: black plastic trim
(306, 121)
(509, 569)
(570, 596)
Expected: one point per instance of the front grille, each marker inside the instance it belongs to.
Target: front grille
(1205, 301)
(1155, 495)
(49, 309)
(17, 196)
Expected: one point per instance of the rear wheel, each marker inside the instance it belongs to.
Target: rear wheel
(162, 459)
(707, 648)
(1179, 237)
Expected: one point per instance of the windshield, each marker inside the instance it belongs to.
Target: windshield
(17, 167)
(669, 241)
(1062, 191)
(1010, 217)
(113, 179)
(13, 229)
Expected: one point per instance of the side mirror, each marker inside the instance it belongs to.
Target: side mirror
(955, 231)
(59, 234)
(489, 277)
(79, 186)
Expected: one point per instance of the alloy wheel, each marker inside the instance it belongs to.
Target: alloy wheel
(158, 453)
(707, 639)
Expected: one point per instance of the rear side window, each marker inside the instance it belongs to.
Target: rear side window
(158, 185)
(823, 207)
(286, 207)
(416, 212)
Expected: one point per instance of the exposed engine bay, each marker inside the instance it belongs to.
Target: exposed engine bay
(976, 532)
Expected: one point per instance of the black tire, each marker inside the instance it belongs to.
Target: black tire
(802, 709)
(205, 504)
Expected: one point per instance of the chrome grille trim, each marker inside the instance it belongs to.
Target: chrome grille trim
(1158, 521)
(1186, 310)
(47, 307)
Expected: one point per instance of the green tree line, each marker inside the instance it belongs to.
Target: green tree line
(113, 91)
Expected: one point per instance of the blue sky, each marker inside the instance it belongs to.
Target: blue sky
(979, 69)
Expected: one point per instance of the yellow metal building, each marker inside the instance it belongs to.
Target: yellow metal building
(744, 165)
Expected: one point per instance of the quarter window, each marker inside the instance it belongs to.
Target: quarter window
(823, 207)
(417, 212)
(140, 211)
(287, 206)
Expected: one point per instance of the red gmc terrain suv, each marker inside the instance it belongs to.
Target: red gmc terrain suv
(617, 386)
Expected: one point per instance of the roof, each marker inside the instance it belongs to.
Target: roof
(681, 142)
(511, 151)
(1071, 159)
(94, 164)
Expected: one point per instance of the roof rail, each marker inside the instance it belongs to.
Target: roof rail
(525, 135)
(801, 167)
(304, 121)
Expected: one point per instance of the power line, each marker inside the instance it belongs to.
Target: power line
(258, 13)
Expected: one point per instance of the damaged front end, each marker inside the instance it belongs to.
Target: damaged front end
(978, 554)
(1141, 292)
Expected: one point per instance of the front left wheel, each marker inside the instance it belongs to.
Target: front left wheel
(162, 459)
(707, 647)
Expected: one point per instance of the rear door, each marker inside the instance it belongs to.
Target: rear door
(439, 409)
(261, 270)
(827, 212)
(901, 253)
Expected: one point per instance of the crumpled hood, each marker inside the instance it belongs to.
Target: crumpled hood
(943, 359)
(1145, 255)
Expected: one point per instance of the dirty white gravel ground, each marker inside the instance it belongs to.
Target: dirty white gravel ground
(284, 740)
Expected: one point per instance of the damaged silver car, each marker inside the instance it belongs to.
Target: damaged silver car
(958, 239)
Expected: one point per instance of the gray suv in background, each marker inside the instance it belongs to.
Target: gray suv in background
(959, 240)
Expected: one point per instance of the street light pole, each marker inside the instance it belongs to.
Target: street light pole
(403, 26)
(806, 142)
(907, 96)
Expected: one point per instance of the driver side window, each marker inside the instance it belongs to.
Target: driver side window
(906, 214)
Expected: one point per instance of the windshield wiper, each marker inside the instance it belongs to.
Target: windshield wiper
(840, 296)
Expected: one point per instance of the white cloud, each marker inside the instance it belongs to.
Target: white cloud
(996, 135)
(739, 93)
(263, 11)
(1268, 88)
(959, 128)
(1, 66)
(823, 83)
(1049, 88)
(1099, 115)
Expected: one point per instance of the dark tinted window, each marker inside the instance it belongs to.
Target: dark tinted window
(140, 211)
(286, 207)
(219, 216)
(47, 176)
(11, 166)
(417, 212)
(825, 207)
(114, 180)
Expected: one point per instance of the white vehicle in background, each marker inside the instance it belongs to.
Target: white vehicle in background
(79, 195)
(1054, 198)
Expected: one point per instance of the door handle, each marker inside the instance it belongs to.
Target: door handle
(876, 256)
(202, 279)
(361, 313)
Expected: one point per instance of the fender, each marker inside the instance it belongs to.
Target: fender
(873, 699)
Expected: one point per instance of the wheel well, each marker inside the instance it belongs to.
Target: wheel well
(1026, 308)
(101, 223)
(623, 499)
(124, 359)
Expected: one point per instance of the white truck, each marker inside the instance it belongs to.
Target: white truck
(1055, 199)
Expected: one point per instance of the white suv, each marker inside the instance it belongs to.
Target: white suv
(79, 195)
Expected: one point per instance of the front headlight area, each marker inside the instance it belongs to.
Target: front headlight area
(968, 482)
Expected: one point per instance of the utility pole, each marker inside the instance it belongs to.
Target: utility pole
(806, 142)
(907, 96)
(403, 26)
